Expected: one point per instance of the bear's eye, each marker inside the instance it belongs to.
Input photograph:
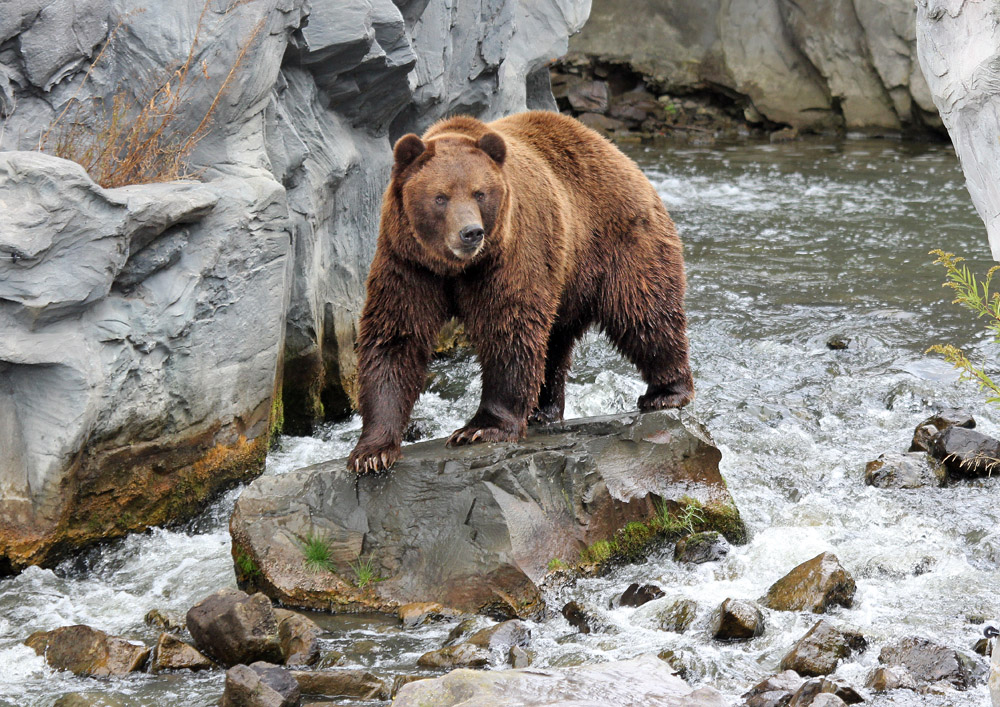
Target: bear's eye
(440, 200)
(479, 196)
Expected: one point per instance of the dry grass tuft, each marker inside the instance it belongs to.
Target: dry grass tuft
(135, 139)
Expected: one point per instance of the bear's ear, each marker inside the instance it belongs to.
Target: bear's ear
(408, 148)
(494, 146)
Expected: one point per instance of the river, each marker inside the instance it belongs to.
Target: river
(787, 246)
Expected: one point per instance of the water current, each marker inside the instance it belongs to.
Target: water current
(787, 246)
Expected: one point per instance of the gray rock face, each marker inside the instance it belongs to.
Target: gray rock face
(474, 528)
(967, 453)
(646, 680)
(958, 44)
(814, 65)
(156, 327)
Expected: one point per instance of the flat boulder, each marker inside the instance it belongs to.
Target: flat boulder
(342, 683)
(83, 650)
(172, 653)
(815, 586)
(928, 662)
(905, 470)
(491, 645)
(233, 627)
(645, 680)
(821, 649)
(474, 528)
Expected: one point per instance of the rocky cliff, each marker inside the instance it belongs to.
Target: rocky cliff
(146, 332)
(814, 65)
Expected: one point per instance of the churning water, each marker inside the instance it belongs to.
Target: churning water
(786, 247)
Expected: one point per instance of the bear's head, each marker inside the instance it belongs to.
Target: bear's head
(453, 192)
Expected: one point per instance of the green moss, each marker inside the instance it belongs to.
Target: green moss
(725, 518)
(555, 564)
(245, 564)
(277, 420)
(598, 553)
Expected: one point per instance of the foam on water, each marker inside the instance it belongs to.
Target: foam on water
(786, 246)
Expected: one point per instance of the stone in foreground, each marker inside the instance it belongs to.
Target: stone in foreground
(905, 470)
(87, 651)
(928, 662)
(967, 453)
(171, 653)
(821, 649)
(815, 586)
(474, 528)
(232, 628)
(260, 685)
(736, 620)
(646, 681)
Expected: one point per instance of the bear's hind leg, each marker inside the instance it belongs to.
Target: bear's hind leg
(552, 397)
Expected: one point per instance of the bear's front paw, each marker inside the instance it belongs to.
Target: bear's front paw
(658, 397)
(471, 434)
(369, 459)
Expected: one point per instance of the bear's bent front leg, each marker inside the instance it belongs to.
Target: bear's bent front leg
(403, 314)
(512, 356)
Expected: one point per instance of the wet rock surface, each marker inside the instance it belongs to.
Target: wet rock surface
(233, 627)
(642, 681)
(298, 636)
(260, 685)
(360, 684)
(473, 528)
(638, 594)
(83, 650)
(736, 620)
(774, 691)
(698, 548)
(821, 649)
(815, 586)
(908, 470)
(172, 653)
(928, 429)
(928, 662)
(492, 645)
(967, 453)
(678, 616)
(578, 617)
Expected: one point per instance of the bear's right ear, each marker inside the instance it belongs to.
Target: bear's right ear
(408, 148)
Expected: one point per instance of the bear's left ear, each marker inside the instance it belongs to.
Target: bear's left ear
(408, 148)
(494, 146)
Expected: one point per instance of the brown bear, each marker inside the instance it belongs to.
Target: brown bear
(529, 230)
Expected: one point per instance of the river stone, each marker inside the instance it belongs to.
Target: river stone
(812, 692)
(87, 651)
(928, 429)
(232, 627)
(164, 620)
(93, 699)
(638, 594)
(815, 586)
(260, 685)
(678, 616)
(928, 662)
(577, 617)
(821, 649)
(641, 681)
(342, 683)
(299, 637)
(463, 628)
(908, 470)
(736, 620)
(473, 527)
(775, 691)
(518, 657)
(424, 612)
(463, 655)
(967, 453)
(698, 548)
(172, 653)
(891, 677)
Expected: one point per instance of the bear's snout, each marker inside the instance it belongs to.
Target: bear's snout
(472, 235)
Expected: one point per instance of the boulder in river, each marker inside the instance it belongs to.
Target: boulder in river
(488, 645)
(967, 453)
(232, 628)
(422, 612)
(677, 616)
(299, 637)
(815, 586)
(260, 685)
(638, 594)
(775, 691)
(644, 681)
(578, 617)
(929, 428)
(928, 662)
(87, 651)
(698, 548)
(172, 653)
(907, 470)
(891, 677)
(736, 620)
(474, 528)
(345, 682)
(821, 649)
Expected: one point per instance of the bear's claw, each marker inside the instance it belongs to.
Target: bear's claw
(371, 462)
(471, 435)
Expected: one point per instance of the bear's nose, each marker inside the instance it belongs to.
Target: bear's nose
(472, 234)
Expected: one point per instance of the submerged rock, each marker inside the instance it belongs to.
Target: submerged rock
(645, 681)
(638, 594)
(821, 649)
(908, 470)
(775, 691)
(678, 616)
(260, 685)
(171, 653)
(698, 548)
(815, 586)
(736, 621)
(488, 645)
(474, 528)
(424, 612)
(232, 628)
(928, 662)
(87, 651)
(577, 617)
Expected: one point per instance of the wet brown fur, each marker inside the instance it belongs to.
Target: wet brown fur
(575, 236)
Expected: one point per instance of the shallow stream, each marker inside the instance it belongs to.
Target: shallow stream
(787, 246)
